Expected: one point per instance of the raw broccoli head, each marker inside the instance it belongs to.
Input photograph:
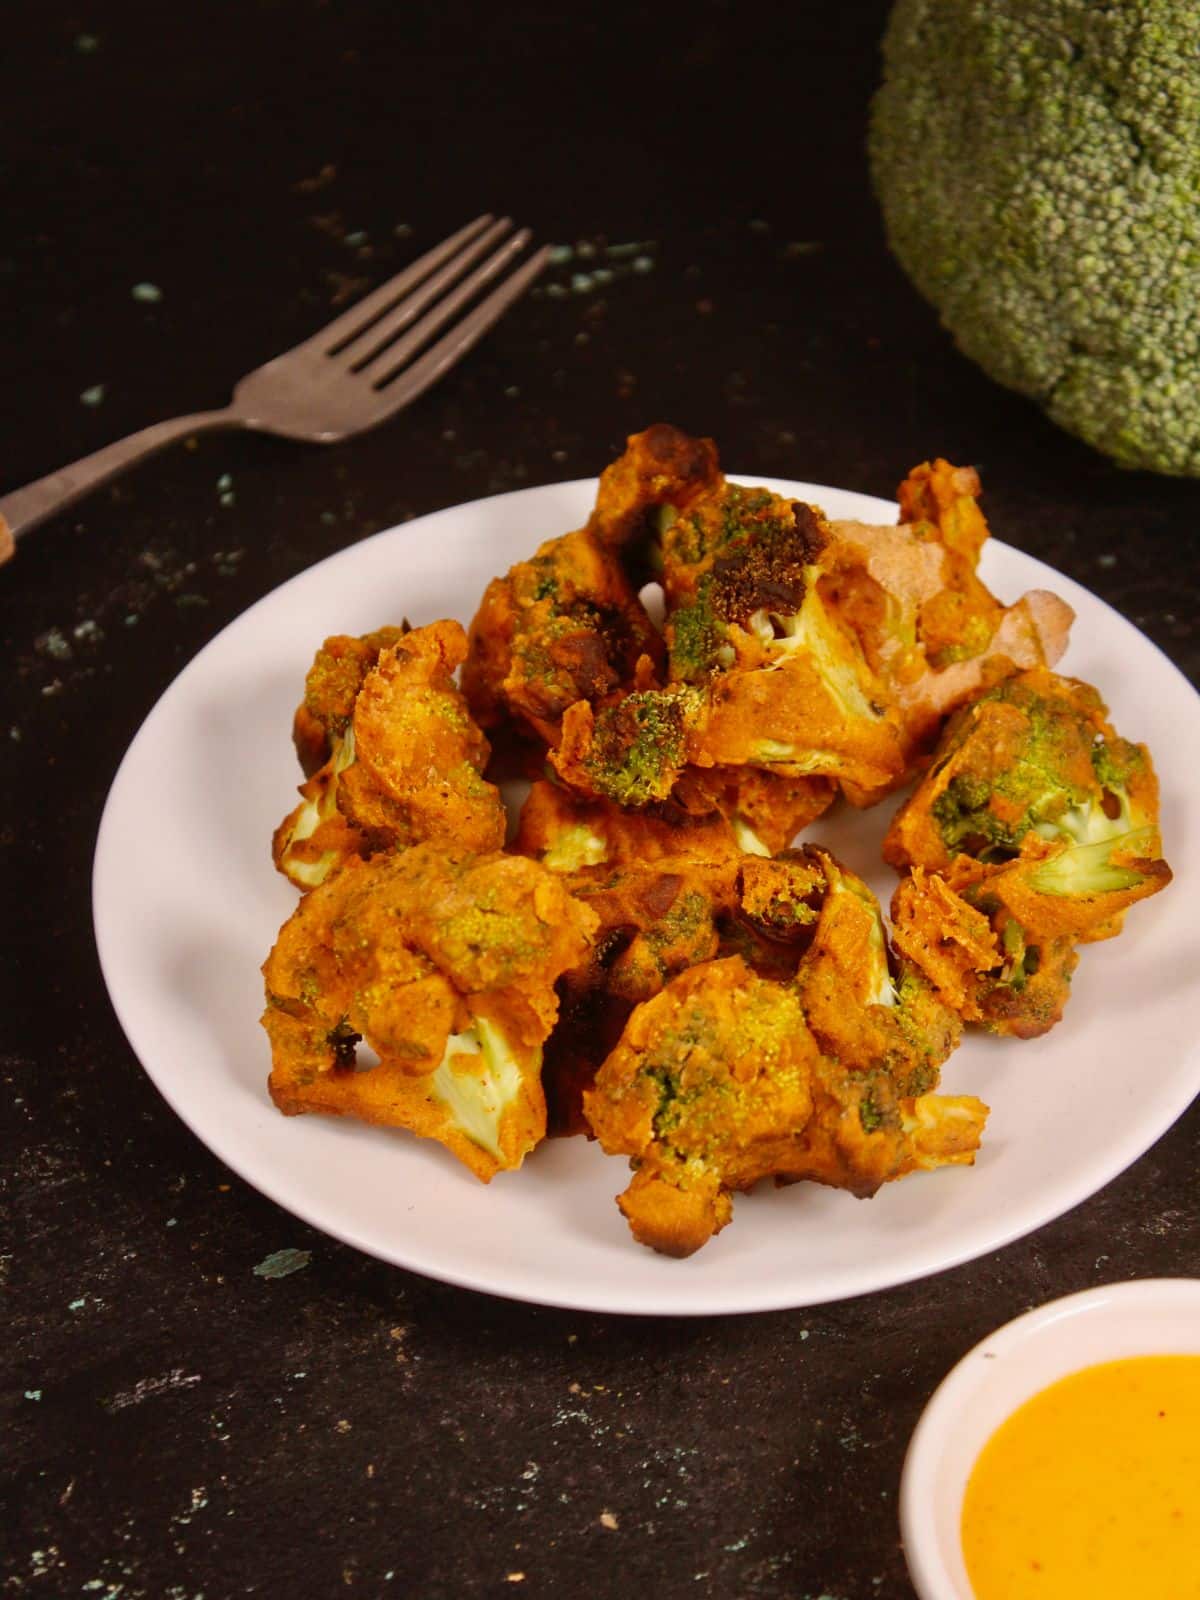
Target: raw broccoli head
(1033, 756)
(1037, 163)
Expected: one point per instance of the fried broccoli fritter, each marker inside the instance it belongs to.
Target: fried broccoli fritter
(788, 685)
(998, 941)
(330, 690)
(718, 1082)
(708, 1091)
(632, 751)
(444, 965)
(1037, 755)
(661, 470)
(872, 1013)
(1034, 830)
(562, 627)
(405, 765)
(656, 918)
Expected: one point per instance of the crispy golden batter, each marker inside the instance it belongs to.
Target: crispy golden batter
(330, 690)
(404, 767)
(999, 941)
(707, 1091)
(655, 919)
(786, 683)
(660, 467)
(1034, 830)
(566, 832)
(870, 1012)
(719, 1082)
(444, 964)
(1034, 754)
(766, 810)
(565, 626)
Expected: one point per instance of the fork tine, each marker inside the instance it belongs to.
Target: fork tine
(363, 312)
(383, 364)
(359, 351)
(403, 387)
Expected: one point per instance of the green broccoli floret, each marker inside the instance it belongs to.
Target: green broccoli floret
(1037, 163)
(1089, 869)
(1034, 755)
(639, 745)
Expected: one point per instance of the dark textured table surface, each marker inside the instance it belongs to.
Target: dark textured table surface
(176, 1425)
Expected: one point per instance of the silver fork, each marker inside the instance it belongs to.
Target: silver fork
(355, 373)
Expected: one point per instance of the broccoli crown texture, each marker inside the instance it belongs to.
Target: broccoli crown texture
(1038, 164)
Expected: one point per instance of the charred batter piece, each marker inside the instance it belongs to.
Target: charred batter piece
(564, 627)
(405, 765)
(444, 964)
(736, 554)
(331, 689)
(661, 467)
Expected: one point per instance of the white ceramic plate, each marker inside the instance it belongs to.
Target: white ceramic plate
(1149, 1316)
(186, 906)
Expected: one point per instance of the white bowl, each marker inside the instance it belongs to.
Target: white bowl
(1150, 1316)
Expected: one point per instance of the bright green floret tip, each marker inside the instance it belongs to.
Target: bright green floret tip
(1038, 167)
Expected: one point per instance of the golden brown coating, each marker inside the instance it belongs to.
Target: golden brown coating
(330, 690)
(659, 467)
(708, 1091)
(655, 918)
(874, 1014)
(863, 1134)
(562, 627)
(566, 832)
(406, 767)
(766, 810)
(418, 754)
(1034, 754)
(787, 686)
(1034, 830)
(719, 1082)
(444, 964)
(998, 941)
(810, 712)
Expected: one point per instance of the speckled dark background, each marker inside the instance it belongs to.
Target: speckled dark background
(176, 1425)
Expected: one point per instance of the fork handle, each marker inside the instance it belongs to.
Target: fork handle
(25, 508)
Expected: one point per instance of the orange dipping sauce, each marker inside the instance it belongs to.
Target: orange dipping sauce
(1091, 1489)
